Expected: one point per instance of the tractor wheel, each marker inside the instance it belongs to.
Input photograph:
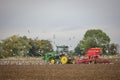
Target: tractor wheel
(52, 61)
(93, 62)
(64, 60)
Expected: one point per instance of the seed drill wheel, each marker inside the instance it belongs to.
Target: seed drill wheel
(64, 60)
(93, 62)
(52, 61)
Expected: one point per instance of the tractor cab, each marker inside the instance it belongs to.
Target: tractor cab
(62, 49)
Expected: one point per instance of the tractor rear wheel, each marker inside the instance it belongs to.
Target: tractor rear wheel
(64, 60)
(52, 61)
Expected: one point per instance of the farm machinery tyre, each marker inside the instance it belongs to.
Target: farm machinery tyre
(64, 60)
(52, 61)
(93, 62)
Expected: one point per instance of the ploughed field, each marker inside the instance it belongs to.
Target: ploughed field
(61, 72)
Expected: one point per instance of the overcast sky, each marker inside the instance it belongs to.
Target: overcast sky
(61, 21)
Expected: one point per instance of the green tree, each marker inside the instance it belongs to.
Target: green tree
(1, 51)
(94, 38)
(22, 46)
(40, 47)
(77, 50)
(15, 46)
(45, 46)
(113, 49)
(34, 50)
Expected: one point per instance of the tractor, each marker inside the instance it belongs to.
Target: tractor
(92, 57)
(60, 56)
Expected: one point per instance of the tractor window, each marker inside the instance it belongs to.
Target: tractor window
(59, 50)
(62, 49)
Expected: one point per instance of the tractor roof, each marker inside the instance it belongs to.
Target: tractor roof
(62, 46)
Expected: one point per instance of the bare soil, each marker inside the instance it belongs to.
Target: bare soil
(62, 72)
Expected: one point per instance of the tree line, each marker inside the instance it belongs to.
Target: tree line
(23, 46)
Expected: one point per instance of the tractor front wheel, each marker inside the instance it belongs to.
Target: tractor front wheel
(52, 61)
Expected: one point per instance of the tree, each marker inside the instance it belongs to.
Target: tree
(15, 46)
(113, 49)
(94, 38)
(45, 46)
(22, 46)
(77, 50)
(1, 51)
(40, 47)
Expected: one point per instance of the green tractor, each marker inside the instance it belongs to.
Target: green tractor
(60, 56)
